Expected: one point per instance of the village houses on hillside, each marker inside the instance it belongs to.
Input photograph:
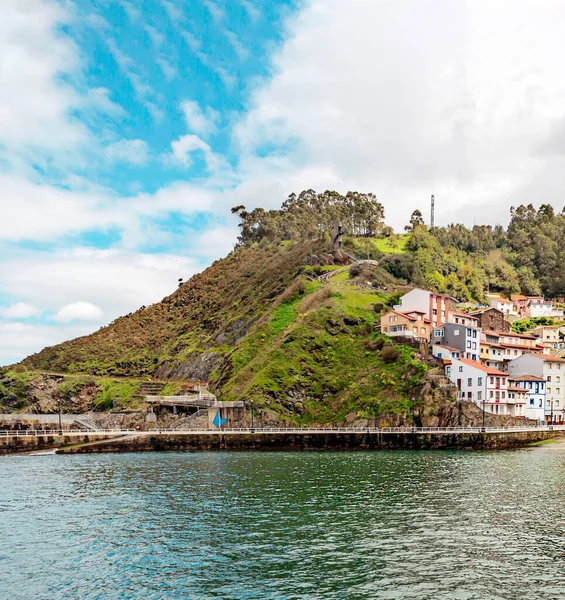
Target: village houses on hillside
(503, 372)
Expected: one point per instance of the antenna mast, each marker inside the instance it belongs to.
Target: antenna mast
(432, 219)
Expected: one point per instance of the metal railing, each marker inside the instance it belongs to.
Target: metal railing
(280, 430)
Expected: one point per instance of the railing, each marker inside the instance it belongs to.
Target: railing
(283, 430)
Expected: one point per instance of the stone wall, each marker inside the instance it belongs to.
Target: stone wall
(15, 444)
(318, 441)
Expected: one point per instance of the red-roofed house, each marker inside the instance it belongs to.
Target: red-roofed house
(485, 386)
(398, 324)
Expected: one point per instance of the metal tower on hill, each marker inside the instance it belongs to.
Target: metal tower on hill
(432, 218)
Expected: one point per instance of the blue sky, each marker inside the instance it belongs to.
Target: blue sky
(129, 129)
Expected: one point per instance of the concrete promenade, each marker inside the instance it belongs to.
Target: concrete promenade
(282, 430)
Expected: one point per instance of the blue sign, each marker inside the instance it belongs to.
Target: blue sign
(218, 421)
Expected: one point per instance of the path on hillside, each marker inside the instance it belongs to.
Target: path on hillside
(327, 275)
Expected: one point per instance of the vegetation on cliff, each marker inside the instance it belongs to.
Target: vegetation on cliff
(260, 325)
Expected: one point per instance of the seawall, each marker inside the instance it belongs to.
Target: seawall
(316, 441)
(15, 444)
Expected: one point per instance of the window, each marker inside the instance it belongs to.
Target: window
(558, 379)
(469, 344)
(470, 395)
(479, 381)
(558, 391)
(491, 394)
(479, 396)
(422, 330)
(549, 378)
(492, 380)
(456, 332)
(460, 369)
(531, 401)
(498, 381)
(497, 396)
(434, 312)
(503, 395)
(470, 382)
(549, 390)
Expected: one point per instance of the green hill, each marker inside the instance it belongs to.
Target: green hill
(268, 324)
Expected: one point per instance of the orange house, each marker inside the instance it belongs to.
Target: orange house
(411, 324)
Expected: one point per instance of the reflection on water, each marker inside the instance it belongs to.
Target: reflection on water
(402, 525)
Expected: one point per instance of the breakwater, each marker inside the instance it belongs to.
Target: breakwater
(315, 441)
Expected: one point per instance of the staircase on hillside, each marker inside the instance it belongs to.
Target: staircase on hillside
(151, 388)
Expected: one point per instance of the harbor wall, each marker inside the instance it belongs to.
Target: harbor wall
(318, 441)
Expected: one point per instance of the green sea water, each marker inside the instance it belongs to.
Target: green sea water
(366, 525)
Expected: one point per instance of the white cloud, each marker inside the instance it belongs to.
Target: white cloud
(79, 311)
(19, 340)
(236, 44)
(99, 98)
(183, 148)
(197, 120)
(169, 71)
(116, 281)
(175, 13)
(44, 212)
(215, 11)
(446, 97)
(19, 310)
(252, 11)
(133, 151)
(36, 104)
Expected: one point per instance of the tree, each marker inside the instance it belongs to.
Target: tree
(415, 220)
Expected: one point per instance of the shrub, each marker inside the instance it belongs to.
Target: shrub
(389, 354)
(378, 307)
(315, 300)
(295, 289)
(355, 270)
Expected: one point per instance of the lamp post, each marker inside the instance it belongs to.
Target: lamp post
(252, 414)
(483, 427)
(60, 416)
(551, 415)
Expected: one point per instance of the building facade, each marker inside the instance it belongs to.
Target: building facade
(534, 388)
(464, 338)
(485, 386)
(552, 371)
(411, 325)
(435, 306)
(492, 319)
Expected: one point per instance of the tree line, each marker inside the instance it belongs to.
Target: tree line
(468, 262)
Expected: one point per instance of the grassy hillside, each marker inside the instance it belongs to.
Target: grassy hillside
(257, 325)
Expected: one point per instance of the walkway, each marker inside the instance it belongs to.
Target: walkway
(294, 431)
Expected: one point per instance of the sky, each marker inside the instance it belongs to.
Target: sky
(129, 129)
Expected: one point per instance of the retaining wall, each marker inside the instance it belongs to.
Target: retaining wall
(318, 441)
(12, 444)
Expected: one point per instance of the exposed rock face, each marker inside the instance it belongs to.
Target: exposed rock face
(197, 365)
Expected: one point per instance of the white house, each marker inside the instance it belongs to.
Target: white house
(461, 318)
(445, 352)
(548, 334)
(550, 369)
(534, 387)
(544, 309)
(503, 304)
(434, 306)
(517, 400)
(485, 386)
